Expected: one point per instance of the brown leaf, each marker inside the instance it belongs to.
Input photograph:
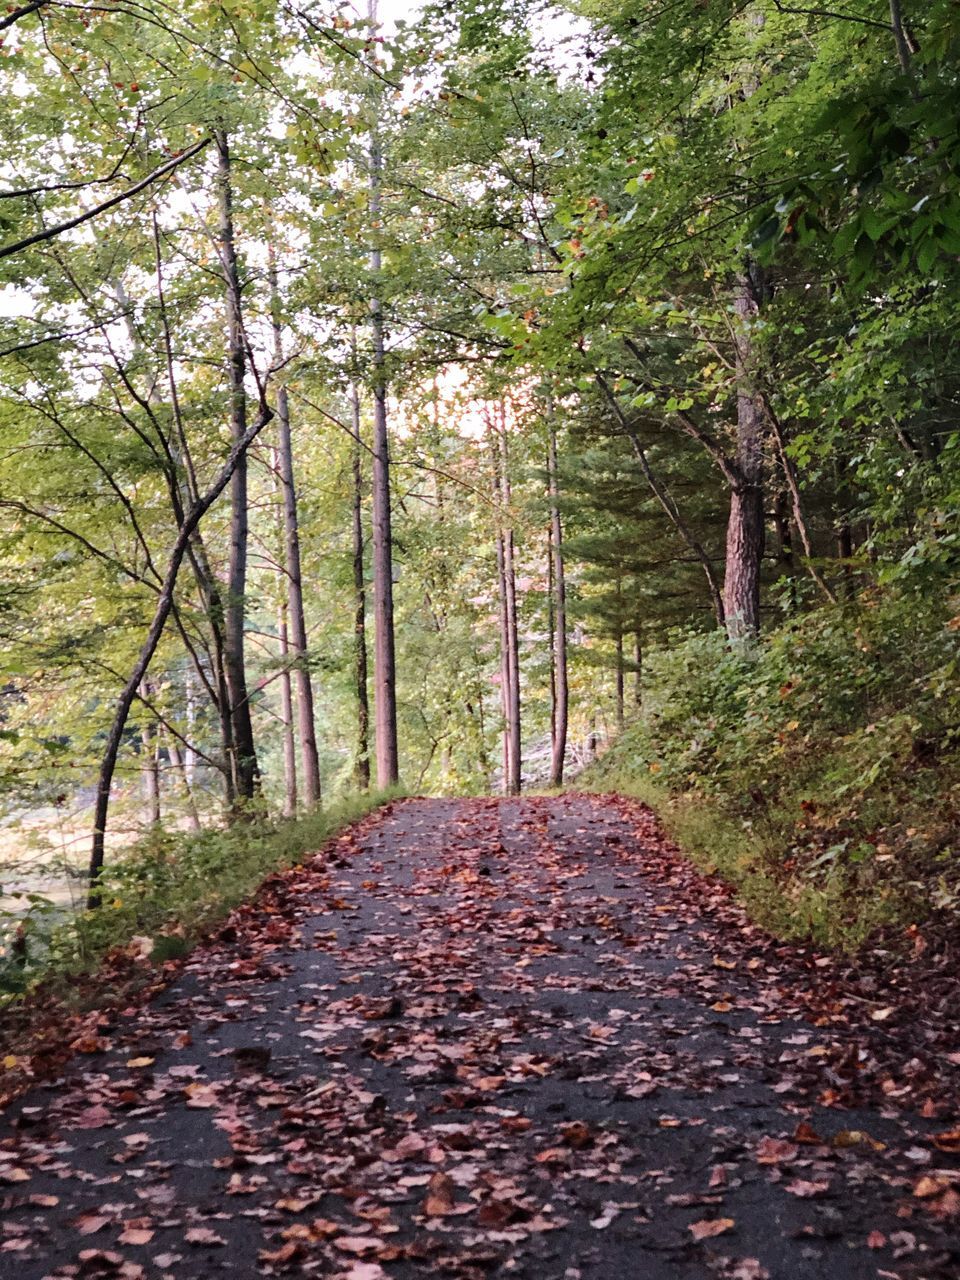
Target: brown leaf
(203, 1235)
(577, 1135)
(807, 1136)
(775, 1151)
(440, 1196)
(89, 1223)
(806, 1189)
(948, 1141)
(707, 1228)
(135, 1235)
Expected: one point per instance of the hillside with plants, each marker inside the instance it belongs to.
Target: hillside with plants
(499, 396)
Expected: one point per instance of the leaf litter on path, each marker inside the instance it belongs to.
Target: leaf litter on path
(493, 1038)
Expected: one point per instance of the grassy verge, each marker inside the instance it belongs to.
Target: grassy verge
(162, 895)
(819, 775)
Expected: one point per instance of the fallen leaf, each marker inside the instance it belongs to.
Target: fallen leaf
(710, 1227)
(440, 1195)
(807, 1189)
(203, 1235)
(775, 1151)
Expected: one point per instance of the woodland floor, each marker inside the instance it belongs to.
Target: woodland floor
(491, 1038)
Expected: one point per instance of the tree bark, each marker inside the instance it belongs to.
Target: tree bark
(306, 720)
(638, 674)
(179, 767)
(384, 654)
(246, 770)
(162, 610)
(560, 720)
(360, 602)
(510, 598)
(621, 710)
(286, 718)
(746, 528)
(151, 766)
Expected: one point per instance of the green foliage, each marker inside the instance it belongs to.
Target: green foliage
(165, 892)
(820, 774)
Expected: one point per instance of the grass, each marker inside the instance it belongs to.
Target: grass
(789, 860)
(167, 890)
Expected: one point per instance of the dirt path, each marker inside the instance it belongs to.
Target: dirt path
(483, 1038)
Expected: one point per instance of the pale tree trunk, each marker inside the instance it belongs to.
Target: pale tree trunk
(179, 767)
(560, 720)
(360, 602)
(150, 767)
(384, 655)
(621, 716)
(510, 601)
(246, 770)
(551, 631)
(306, 721)
(108, 762)
(505, 694)
(745, 526)
(286, 718)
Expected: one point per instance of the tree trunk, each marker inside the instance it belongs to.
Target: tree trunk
(306, 721)
(384, 655)
(638, 675)
(360, 603)
(162, 609)
(621, 716)
(510, 597)
(503, 613)
(246, 770)
(286, 719)
(151, 765)
(745, 526)
(559, 744)
(179, 767)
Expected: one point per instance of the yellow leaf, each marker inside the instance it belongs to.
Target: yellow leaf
(140, 1062)
(10, 1061)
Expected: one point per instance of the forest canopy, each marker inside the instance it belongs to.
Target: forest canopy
(440, 396)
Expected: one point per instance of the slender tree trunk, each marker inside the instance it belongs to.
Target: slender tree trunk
(510, 596)
(286, 719)
(559, 751)
(178, 764)
(793, 485)
(151, 765)
(551, 631)
(189, 755)
(247, 771)
(306, 721)
(384, 654)
(505, 695)
(638, 674)
(620, 673)
(162, 610)
(745, 526)
(360, 602)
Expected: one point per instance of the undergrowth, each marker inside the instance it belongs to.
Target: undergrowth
(162, 895)
(818, 772)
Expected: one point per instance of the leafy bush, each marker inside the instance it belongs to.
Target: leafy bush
(819, 771)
